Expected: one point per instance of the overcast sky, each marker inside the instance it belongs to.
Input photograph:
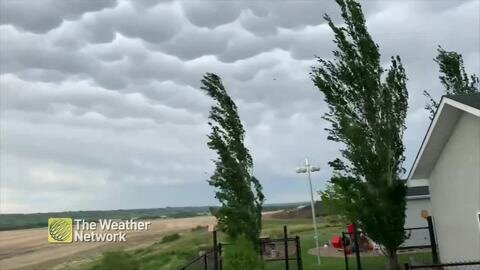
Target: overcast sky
(101, 107)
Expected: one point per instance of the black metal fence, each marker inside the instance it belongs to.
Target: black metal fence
(205, 261)
(348, 239)
(418, 239)
(420, 246)
(446, 266)
(283, 253)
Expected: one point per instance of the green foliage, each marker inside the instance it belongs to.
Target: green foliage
(242, 255)
(170, 238)
(117, 260)
(454, 78)
(367, 110)
(336, 200)
(238, 191)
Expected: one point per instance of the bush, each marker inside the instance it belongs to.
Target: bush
(242, 255)
(199, 228)
(170, 238)
(117, 260)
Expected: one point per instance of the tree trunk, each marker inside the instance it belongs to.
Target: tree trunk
(393, 260)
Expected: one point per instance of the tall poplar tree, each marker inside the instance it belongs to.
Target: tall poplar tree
(238, 191)
(367, 110)
(454, 78)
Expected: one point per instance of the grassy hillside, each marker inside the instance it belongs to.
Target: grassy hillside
(25, 221)
(22, 221)
(174, 253)
(301, 212)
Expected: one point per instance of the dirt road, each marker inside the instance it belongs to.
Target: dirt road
(29, 249)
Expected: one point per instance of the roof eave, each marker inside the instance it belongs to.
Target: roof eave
(445, 101)
(418, 197)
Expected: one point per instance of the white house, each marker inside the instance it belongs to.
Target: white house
(418, 199)
(449, 161)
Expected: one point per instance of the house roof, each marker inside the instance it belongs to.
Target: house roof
(450, 109)
(472, 100)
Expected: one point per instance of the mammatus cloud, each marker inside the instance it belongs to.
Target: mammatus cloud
(101, 107)
(40, 17)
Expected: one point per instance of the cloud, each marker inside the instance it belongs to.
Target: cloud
(154, 24)
(41, 17)
(102, 97)
(211, 13)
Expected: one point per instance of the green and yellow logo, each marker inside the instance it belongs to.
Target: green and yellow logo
(60, 230)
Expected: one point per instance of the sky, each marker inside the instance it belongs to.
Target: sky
(101, 106)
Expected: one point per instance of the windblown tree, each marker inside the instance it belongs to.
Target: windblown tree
(367, 110)
(453, 78)
(238, 191)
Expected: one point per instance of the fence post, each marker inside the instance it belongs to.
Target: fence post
(285, 237)
(299, 253)
(357, 247)
(345, 250)
(205, 263)
(220, 261)
(261, 248)
(407, 266)
(433, 242)
(215, 255)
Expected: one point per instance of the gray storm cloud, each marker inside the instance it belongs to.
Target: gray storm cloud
(101, 107)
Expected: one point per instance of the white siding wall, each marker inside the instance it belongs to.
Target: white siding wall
(413, 219)
(455, 192)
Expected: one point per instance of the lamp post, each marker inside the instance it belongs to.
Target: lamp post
(307, 169)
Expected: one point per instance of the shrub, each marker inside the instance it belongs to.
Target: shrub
(199, 228)
(117, 260)
(170, 238)
(242, 255)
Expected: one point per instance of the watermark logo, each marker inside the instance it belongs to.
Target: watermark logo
(60, 230)
(68, 230)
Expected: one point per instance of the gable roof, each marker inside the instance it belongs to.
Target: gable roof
(472, 100)
(449, 111)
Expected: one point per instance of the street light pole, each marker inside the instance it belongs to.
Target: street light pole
(308, 169)
(313, 210)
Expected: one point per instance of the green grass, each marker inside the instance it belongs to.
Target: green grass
(176, 253)
(170, 237)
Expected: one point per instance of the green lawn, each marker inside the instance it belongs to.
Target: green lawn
(174, 254)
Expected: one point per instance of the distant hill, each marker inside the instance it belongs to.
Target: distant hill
(300, 212)
(24, 221)
(35, 220)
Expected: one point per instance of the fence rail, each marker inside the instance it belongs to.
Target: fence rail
(412, 243)
(202, 262)
(286, 249)
(447, 266)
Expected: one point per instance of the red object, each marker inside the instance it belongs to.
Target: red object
(336, 241)
(370, 245)
(351, 228)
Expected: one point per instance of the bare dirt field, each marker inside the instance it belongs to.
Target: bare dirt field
(29, 249)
